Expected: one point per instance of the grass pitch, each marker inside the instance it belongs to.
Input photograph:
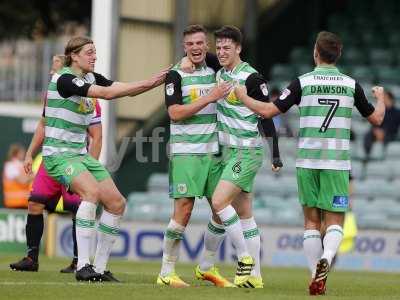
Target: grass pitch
(139, 283)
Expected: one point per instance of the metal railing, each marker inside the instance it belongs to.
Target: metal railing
(24, 68)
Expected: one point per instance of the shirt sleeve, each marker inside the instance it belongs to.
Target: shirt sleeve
(257, 88)
(289, 97)
(101, 80)
(70, 85)
(361, 103)
(213, 62)
(96, 115)
(173, 91)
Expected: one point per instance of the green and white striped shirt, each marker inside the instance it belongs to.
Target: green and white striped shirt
(196, 134)
(67, 118)
(325, 98)
(237, 124)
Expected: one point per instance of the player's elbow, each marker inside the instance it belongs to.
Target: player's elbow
(109, 95)
(175, 114)
(265, 112)
(175, 117)
(106, 93)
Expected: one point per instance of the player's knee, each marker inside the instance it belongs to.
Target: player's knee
(312, 224)
(117, 206)
(35, 208)
(217, 204)
(91, 195)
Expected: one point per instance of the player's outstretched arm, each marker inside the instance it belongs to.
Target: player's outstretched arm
(178, 112)
(264, 109)
(36, 142)
(376, 118)
(122, 89)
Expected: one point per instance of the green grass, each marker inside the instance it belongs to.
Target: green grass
(139, 278)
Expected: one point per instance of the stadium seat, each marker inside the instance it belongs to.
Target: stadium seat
(380, 169)
(158, 182)
(357, 169)
(379, 57)
(301, 56)
(363, 73)
(263, 216)
(393, 152)
(388, 75)
(353, 56)
(282, 72)
(303, 68)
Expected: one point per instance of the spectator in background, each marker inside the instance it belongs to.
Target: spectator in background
(281, 122)
(16, 183)
(387, 131)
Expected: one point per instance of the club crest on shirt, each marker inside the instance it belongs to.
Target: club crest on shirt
(232, 98)
(69, 170)
(169, 89)
(264, 89)
(87, 105)
(181, 188)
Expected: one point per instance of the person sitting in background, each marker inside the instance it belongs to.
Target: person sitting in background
(386, 132)
(281, 122)
(16, 184)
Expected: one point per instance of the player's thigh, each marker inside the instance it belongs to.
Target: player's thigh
(241, 167)
(214, 175)
(188, 175)
(308, 185)
(111, 197)
(86, 186)
(70, 171)
(35, 208)
(243, 205)
(334, 191)
(98, 171)
(45, 190)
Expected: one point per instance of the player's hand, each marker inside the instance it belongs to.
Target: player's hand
(28, 164)
(276, 164)
(378, 92)
(240, 91)
(220, 91)
(159, 78)
(186, 65)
